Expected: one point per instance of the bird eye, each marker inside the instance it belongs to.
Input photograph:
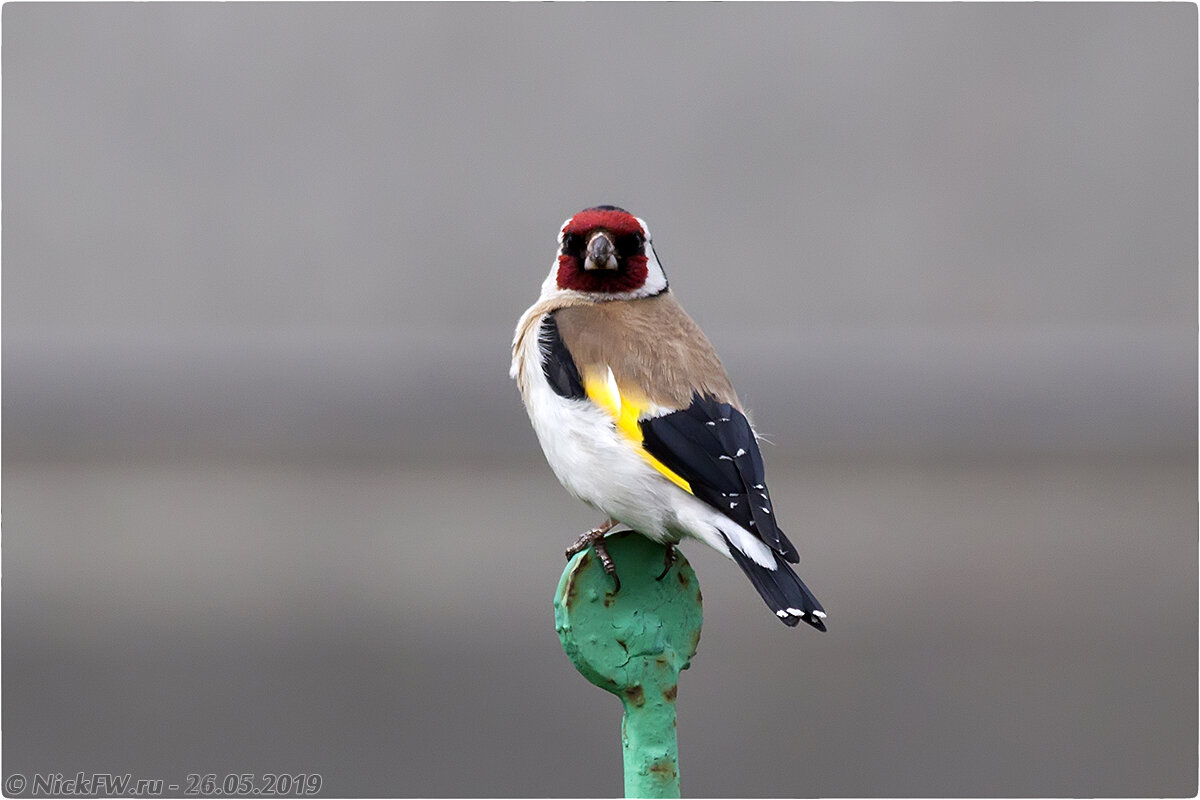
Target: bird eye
(631, 244)
(572, 243)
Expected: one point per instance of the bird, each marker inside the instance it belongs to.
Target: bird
(636, 415)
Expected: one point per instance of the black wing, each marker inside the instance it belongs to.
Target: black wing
(557, 365)
(711, 446)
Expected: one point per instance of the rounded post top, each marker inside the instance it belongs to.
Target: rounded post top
(612, 638)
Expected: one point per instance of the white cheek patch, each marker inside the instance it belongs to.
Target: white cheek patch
(656, 279)
(550, 285)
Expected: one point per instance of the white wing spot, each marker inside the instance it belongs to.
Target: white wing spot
(795, 612)
(818, 614)
(781, 613)
(726, 458)
(741, 452)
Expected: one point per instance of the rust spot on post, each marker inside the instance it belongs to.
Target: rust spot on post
(662, 769)
(670, 692)
(635, 695)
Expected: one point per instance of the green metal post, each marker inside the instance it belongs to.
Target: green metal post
(634, 643)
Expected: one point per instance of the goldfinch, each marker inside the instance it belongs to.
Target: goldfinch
(636, 415)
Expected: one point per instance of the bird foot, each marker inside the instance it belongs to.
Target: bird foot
(595, 539)
(668, 561)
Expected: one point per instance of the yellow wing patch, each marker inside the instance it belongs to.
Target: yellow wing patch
(626, 410)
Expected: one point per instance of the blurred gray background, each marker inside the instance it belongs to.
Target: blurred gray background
(271, 502)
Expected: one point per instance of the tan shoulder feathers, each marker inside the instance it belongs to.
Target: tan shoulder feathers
(652, 346)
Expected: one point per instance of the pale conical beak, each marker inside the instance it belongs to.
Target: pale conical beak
(600, 252)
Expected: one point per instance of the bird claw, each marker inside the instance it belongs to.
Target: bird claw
(595, 539)
(669, 561)
(606, 561)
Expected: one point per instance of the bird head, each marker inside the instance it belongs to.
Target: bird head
(606, 252)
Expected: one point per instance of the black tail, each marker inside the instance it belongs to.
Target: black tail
(782, 590)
